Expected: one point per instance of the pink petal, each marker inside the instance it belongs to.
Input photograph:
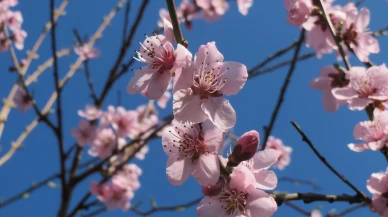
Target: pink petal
(362, 20)
(140, 80)
(212, 137)
(158, 85)
(264, 159)
(187, 107)
(359, 103)
(358, 147)
(163, 100)
(329, 102)
(211, 207)
(207, 54)
(236, 76)
(184, 80)
(344, 93)
(168, 31)
(375, 146)
(220, 112)
(321, 83)
(260, 204)
(178, 170)
(206, 169)
(379, 204)
(266, 180)
(182, 58)
(241, 178)
(316, 213)
(376, 183)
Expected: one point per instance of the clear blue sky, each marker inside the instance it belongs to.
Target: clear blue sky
(247, 40)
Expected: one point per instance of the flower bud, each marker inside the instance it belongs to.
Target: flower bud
(246, 146)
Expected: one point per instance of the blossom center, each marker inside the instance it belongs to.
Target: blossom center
(208, 82)
(234, 201)
(338, 80)
(364, 87)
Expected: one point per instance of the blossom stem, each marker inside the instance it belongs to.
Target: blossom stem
(280, 198)
(175, 23)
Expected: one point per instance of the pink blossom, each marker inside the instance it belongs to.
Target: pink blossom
(373, 133)
(193, 150)
(213, 9)
(245, 148)
(330, 78)
(147, 117)
(299, 11)
(355, 35)
(318, 34)
(284, 152)
(143, 151)
(199, 89)
(86, 52)
(85, 134)
(104, 143)
(162, 63)
(378, 186)
(366, 86)
(163, 13)
(18, 37)
(316, 213)
(91, 113)
(112, 195)
(14, 20)
(125, 122)
(186, 12)
(240, 197)
(22, 100)
(244, 5)
(128, 177)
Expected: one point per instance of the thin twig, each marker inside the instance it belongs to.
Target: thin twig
(29, 190)
(179, 207)
(280, 198)
(347, 211)
(8, 104)
(269, 127)
(299, 182)
(334, 35)
(89, 80)
(126, 20)
(381, 32)
(360, 194)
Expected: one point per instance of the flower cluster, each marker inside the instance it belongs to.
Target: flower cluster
(378, 186)
(209, 10)
(120, 191)
(13, 21)
(351, 26)
(284, 152)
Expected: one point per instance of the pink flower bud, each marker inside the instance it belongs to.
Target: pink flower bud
(246, 147)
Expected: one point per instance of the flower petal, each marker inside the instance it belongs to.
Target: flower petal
(178, 169)
(206, 169)
(187, 107)
(220, 112)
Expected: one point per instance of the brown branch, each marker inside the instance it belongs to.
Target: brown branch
(280, 198)
(179, 207)
(333, 34)
(269, 127)
(8, 104)
(381, 32)
(360, 194)
(29, 190)
(89, 80)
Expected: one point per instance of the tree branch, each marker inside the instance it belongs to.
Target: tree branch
(360, 194)
(175, 23)
(269, 127)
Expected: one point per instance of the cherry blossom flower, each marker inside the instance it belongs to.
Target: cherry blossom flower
(91, 113)
(18, 37)
(22, 100)
(163, 13)
(213, 9)
(14, 20)
(193, 150)
(284, 152)
(186, 12)
(240, 197)
(85, 134)
(378, 186)
(147, 117)
(104, 143)
(162, 63)
(142, 153)
(366, 86)
(355, 35)
(299, 11)
(330, 77)
(112, 195)
(86, 52)
(373, 133)
(244, 5)
(128, 177)
(318, 34)
(125, 122)
(199, 89)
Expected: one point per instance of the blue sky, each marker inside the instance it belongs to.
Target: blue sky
(246, 39)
